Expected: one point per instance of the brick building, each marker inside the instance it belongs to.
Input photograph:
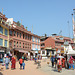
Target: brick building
(50, 45)
(23, 41)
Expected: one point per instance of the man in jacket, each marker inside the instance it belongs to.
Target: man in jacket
(7, 62)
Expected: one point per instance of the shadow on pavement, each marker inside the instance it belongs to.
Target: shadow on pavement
(1, 73)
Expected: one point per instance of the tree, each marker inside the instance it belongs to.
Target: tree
(45, 35)
(26, 28)
(18, 23)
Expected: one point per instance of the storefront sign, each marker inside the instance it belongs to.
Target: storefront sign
(1, 50)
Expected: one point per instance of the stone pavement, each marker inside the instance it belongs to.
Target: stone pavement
(48, 70)
(31, 69)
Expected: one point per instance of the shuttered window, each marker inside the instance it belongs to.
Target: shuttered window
(1, 30)
(1, 42)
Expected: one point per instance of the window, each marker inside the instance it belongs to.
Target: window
(6, 32)
(17, 44)
(5, 43)
(1, 42)
(61, 38)
(20, 44)
(23, 36)
(38, 47)
(14, 33)
(23, 45)
(32, 39)
(43, 52)
(28, 37)
(1, 30)
(14, 43)
(32, 46)
(36, 40)
(20, 35)
(62, 46)
(17, 34)
(10, 33)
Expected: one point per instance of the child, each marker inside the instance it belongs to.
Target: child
(23, 64)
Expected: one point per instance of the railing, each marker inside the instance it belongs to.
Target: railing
(4, 22)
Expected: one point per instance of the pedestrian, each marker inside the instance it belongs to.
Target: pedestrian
(31, 58)
(63, 62)
(59, 65)
(7, 60)
(55, 61)
(13, 63)
(20, 62)
(35, 59)
(71, 62)
(23, 64)
(52, 61)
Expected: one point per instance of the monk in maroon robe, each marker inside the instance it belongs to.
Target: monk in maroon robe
(13, 62)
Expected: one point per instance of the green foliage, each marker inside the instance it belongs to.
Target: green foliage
(26, 28)
(18, 23)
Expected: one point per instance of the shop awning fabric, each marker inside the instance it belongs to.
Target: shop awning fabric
(70, 50)
(23, 51)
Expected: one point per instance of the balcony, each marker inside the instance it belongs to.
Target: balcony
(66, 43)
(4, 23)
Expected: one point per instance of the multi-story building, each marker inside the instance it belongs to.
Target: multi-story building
(23, 41)
(53, 44)
(4, 35)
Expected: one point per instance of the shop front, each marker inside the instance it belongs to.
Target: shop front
(3, 51)
(20, 52)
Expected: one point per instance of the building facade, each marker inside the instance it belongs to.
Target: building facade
(23, 41)
(51, 45)
(4, 35)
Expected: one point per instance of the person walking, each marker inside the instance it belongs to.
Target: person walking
(55, 61)
(52, 61)
(7, 60)
(71, 62)
(59, 65)
(20, 62)
(23, 64)
(13, 63)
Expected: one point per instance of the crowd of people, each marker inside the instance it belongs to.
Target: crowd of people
(12, 61)
(62, 62)
(57, 62)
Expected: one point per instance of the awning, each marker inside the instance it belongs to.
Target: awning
(23, 51)
(49, 48)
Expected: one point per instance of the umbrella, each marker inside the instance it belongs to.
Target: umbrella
(60, 57)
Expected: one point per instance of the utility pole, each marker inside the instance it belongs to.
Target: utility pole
(68, 28)
(2, 10)
(21, 21)
(32, 28)
(73, 20)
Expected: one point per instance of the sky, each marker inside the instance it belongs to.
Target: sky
(44, 16)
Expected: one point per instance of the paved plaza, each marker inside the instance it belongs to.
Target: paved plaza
(31, 69)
